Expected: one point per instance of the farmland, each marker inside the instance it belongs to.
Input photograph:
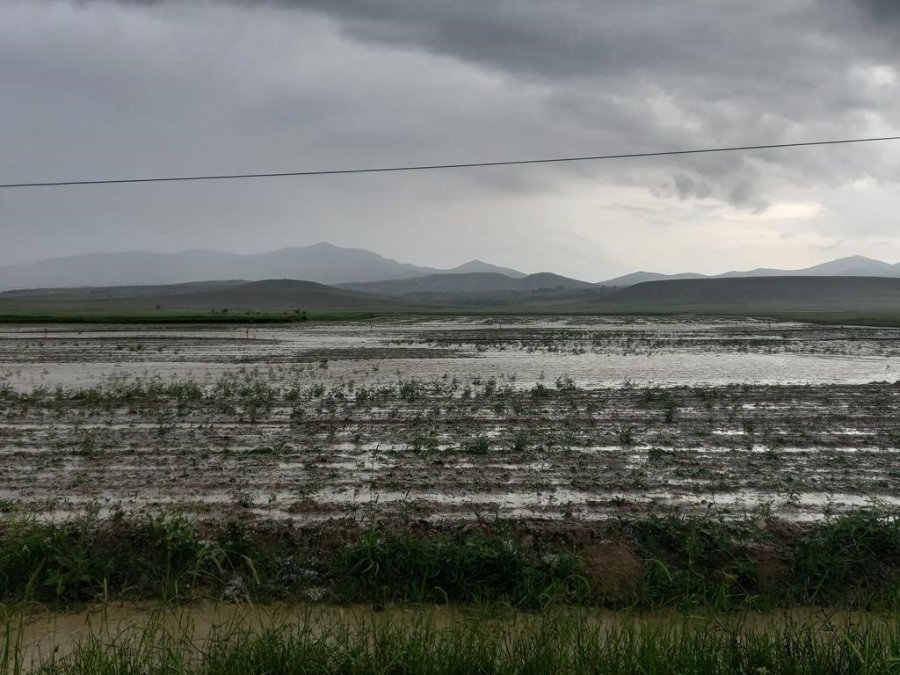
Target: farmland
(722, 463)
(448, 419)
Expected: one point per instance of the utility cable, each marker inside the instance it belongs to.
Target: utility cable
(434, 167)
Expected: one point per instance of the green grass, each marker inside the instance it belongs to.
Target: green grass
(851, 561)
(469, 569)
(180, 317)
(553, 643)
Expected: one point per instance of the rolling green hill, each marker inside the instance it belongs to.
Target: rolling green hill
(873, 295)
(471, 282)
(801, 297)
(240, 296)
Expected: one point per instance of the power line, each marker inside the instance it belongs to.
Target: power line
(433, 167)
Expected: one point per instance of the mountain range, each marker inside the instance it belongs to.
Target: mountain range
(852, 266)
(468, 283)
(838, 298)
(353, 269)
(323, 263)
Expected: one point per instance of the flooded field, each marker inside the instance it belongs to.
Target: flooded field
(567, 418)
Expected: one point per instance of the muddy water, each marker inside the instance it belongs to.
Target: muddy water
(558, 418)
(593, 354)
(44, 636)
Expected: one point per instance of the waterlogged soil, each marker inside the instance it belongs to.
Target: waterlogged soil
(607, 351)
(452, 419)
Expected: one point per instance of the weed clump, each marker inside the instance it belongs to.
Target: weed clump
(480, 445)
(468, 569)
(657, 454)
(851, 561)
(856, 556)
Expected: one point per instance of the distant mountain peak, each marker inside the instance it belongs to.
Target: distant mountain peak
(469, 282)
(858, 258)
(478, 266)
(848, 266)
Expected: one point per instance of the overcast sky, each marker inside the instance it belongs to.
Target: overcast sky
(103, 89)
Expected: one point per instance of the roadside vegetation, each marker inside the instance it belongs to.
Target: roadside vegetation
(851, 561)
(554, 643)
(520, 598)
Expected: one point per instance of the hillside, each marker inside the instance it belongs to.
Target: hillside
(851, 266)
(473, 282)
(856, 296)
(322, 263)
(267, 295)
(479, 266)
(760, 294)
(351, 268)
(641, 277)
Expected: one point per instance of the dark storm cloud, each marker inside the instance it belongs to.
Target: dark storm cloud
(659, 75)
(102, 88)
(597, 37)
(882, 10)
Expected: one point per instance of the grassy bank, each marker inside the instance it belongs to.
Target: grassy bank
(851, 561)
(559, 641)
(180, 318)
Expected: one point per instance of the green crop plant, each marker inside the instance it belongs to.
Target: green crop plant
(480, 445)
(385, 568)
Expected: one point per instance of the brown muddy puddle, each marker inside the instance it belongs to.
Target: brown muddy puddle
(40, 636)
